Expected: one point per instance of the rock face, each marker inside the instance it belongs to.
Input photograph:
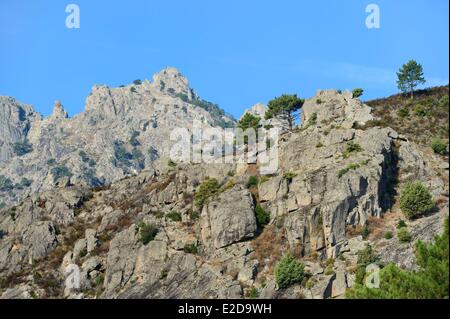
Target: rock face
(15, 122)
(259, 110)
(229, 219)
(144, 236)
(121, 132)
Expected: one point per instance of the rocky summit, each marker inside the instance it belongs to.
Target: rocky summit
(94, 208)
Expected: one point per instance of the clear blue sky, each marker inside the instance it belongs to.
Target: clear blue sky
(234, 52)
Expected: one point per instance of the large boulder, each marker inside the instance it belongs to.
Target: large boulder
(229, 218)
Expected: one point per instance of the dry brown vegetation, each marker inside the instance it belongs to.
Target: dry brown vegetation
(269, 246)
(420, 120)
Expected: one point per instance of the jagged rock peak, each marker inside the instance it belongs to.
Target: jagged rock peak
(333, 107)
(171, 80)
(258, 109)
(58, 111)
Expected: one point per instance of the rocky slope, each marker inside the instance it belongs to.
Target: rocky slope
(121, 132)
(144, 236)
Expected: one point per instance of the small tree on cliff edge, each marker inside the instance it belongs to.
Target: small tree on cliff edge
(284, 107)
(410, 76)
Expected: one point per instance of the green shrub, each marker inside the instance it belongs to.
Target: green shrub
(443, 101)
(366, 257)
(403, 235)
(174, 216)
(289, 271)
(24, 182)
(401, 224)
(388, 235)
(319, 101)
(193, 214)
(253, 181)
(289, 176)
(439, 146)
(253, 293)
(137, 82)
(431, 281)
(51, 162)
(262, 216)
(22, 148)
(365, 232)
(352, 148)
(59, 172)
(148, 232)
(171, 163)
(5, 184)
(207, 189)
(357, 92)
(83, 252)
(415, 200)
(419, 110)
(190, 248)
(403, 112)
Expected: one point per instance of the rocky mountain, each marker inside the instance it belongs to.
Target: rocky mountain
(209, 230)
(121, 132)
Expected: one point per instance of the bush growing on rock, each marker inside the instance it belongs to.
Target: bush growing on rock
(171, 163)
(352, 148)
(253, 181)
(289, 271)
(5, 184)
(289, 176)
(262, 216)
(357, 92)
(403, 235)
(174, 216)
(59, 172)
(415, 200)
(147, 232)
(190, 248)
(22, 148)
(207, 189)
(388, 235)
(401, 224)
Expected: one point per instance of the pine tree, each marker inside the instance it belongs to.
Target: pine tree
(431, 281)
(410, 76)
(284, 107)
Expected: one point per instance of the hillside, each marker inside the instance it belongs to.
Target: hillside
(420, 119)
(226, 230)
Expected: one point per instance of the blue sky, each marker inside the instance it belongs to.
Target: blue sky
(235, 53)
